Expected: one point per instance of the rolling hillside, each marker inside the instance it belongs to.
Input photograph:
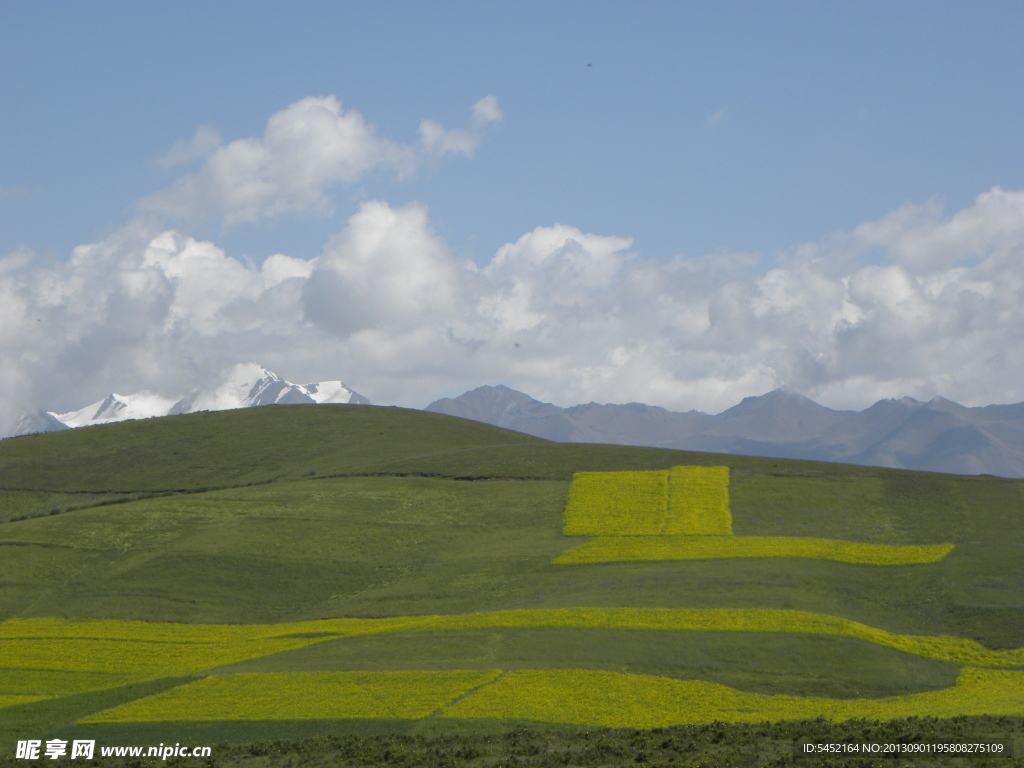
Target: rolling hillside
(384, 551)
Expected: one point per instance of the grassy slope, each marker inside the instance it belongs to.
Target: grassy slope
(233, 448)
(293, 535)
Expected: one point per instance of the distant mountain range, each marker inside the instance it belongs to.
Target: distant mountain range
(246, 385)
(937, 436)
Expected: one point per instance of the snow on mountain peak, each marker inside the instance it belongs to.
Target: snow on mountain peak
(115, 407)
(330, 392)
(244, 386)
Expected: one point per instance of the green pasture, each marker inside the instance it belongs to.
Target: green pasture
(338, 540)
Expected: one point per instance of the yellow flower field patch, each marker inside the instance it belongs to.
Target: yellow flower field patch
(577, 696)
(608, 549)
(616, 503)
(616, 700)
(683, 514)
(50, 682)
(698, 501)
(46, 665)
(133, 657)
(302, 696)
(13, 699)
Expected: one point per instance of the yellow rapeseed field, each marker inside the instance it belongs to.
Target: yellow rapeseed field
(13, 699)
(117, 629)
(302, 696)
(127, 659)
(134, 657)
(684, 515)
(616, 503)
(49, 682)
(57, 663)
(698, 501)
(607, 549)
(582, 697)
(616, 700)
(683, 500)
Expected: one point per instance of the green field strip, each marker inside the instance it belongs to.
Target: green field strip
(407, 695)
(611, 549)
(698, 502)
(943, 648)
(616, 700)
(790, 663)
(617, 503)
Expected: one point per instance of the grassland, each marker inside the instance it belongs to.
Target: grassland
(759, 745)
(344, 540)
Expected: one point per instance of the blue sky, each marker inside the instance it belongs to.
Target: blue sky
(690, 129)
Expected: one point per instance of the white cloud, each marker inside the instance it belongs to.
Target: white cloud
(205, 140)
(562, 314)
(435, 139)
(306, 150)
(386, 270)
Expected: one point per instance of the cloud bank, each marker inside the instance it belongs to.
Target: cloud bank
(916, 303)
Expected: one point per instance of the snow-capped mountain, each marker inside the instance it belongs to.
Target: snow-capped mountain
(250, 384)
(246, 385)
(114, 407)
(35, 421)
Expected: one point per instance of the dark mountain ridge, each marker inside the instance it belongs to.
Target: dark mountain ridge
(937, 436)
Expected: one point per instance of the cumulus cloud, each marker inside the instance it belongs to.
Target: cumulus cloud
(305, 151)
(386, 270)
(565, 315)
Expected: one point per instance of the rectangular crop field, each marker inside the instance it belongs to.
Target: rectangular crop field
(698, 501)
(682, 500)
(617, 503)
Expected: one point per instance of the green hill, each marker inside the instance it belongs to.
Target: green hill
(433, 540)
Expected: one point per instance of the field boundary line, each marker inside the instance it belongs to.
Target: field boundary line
(498, 674)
